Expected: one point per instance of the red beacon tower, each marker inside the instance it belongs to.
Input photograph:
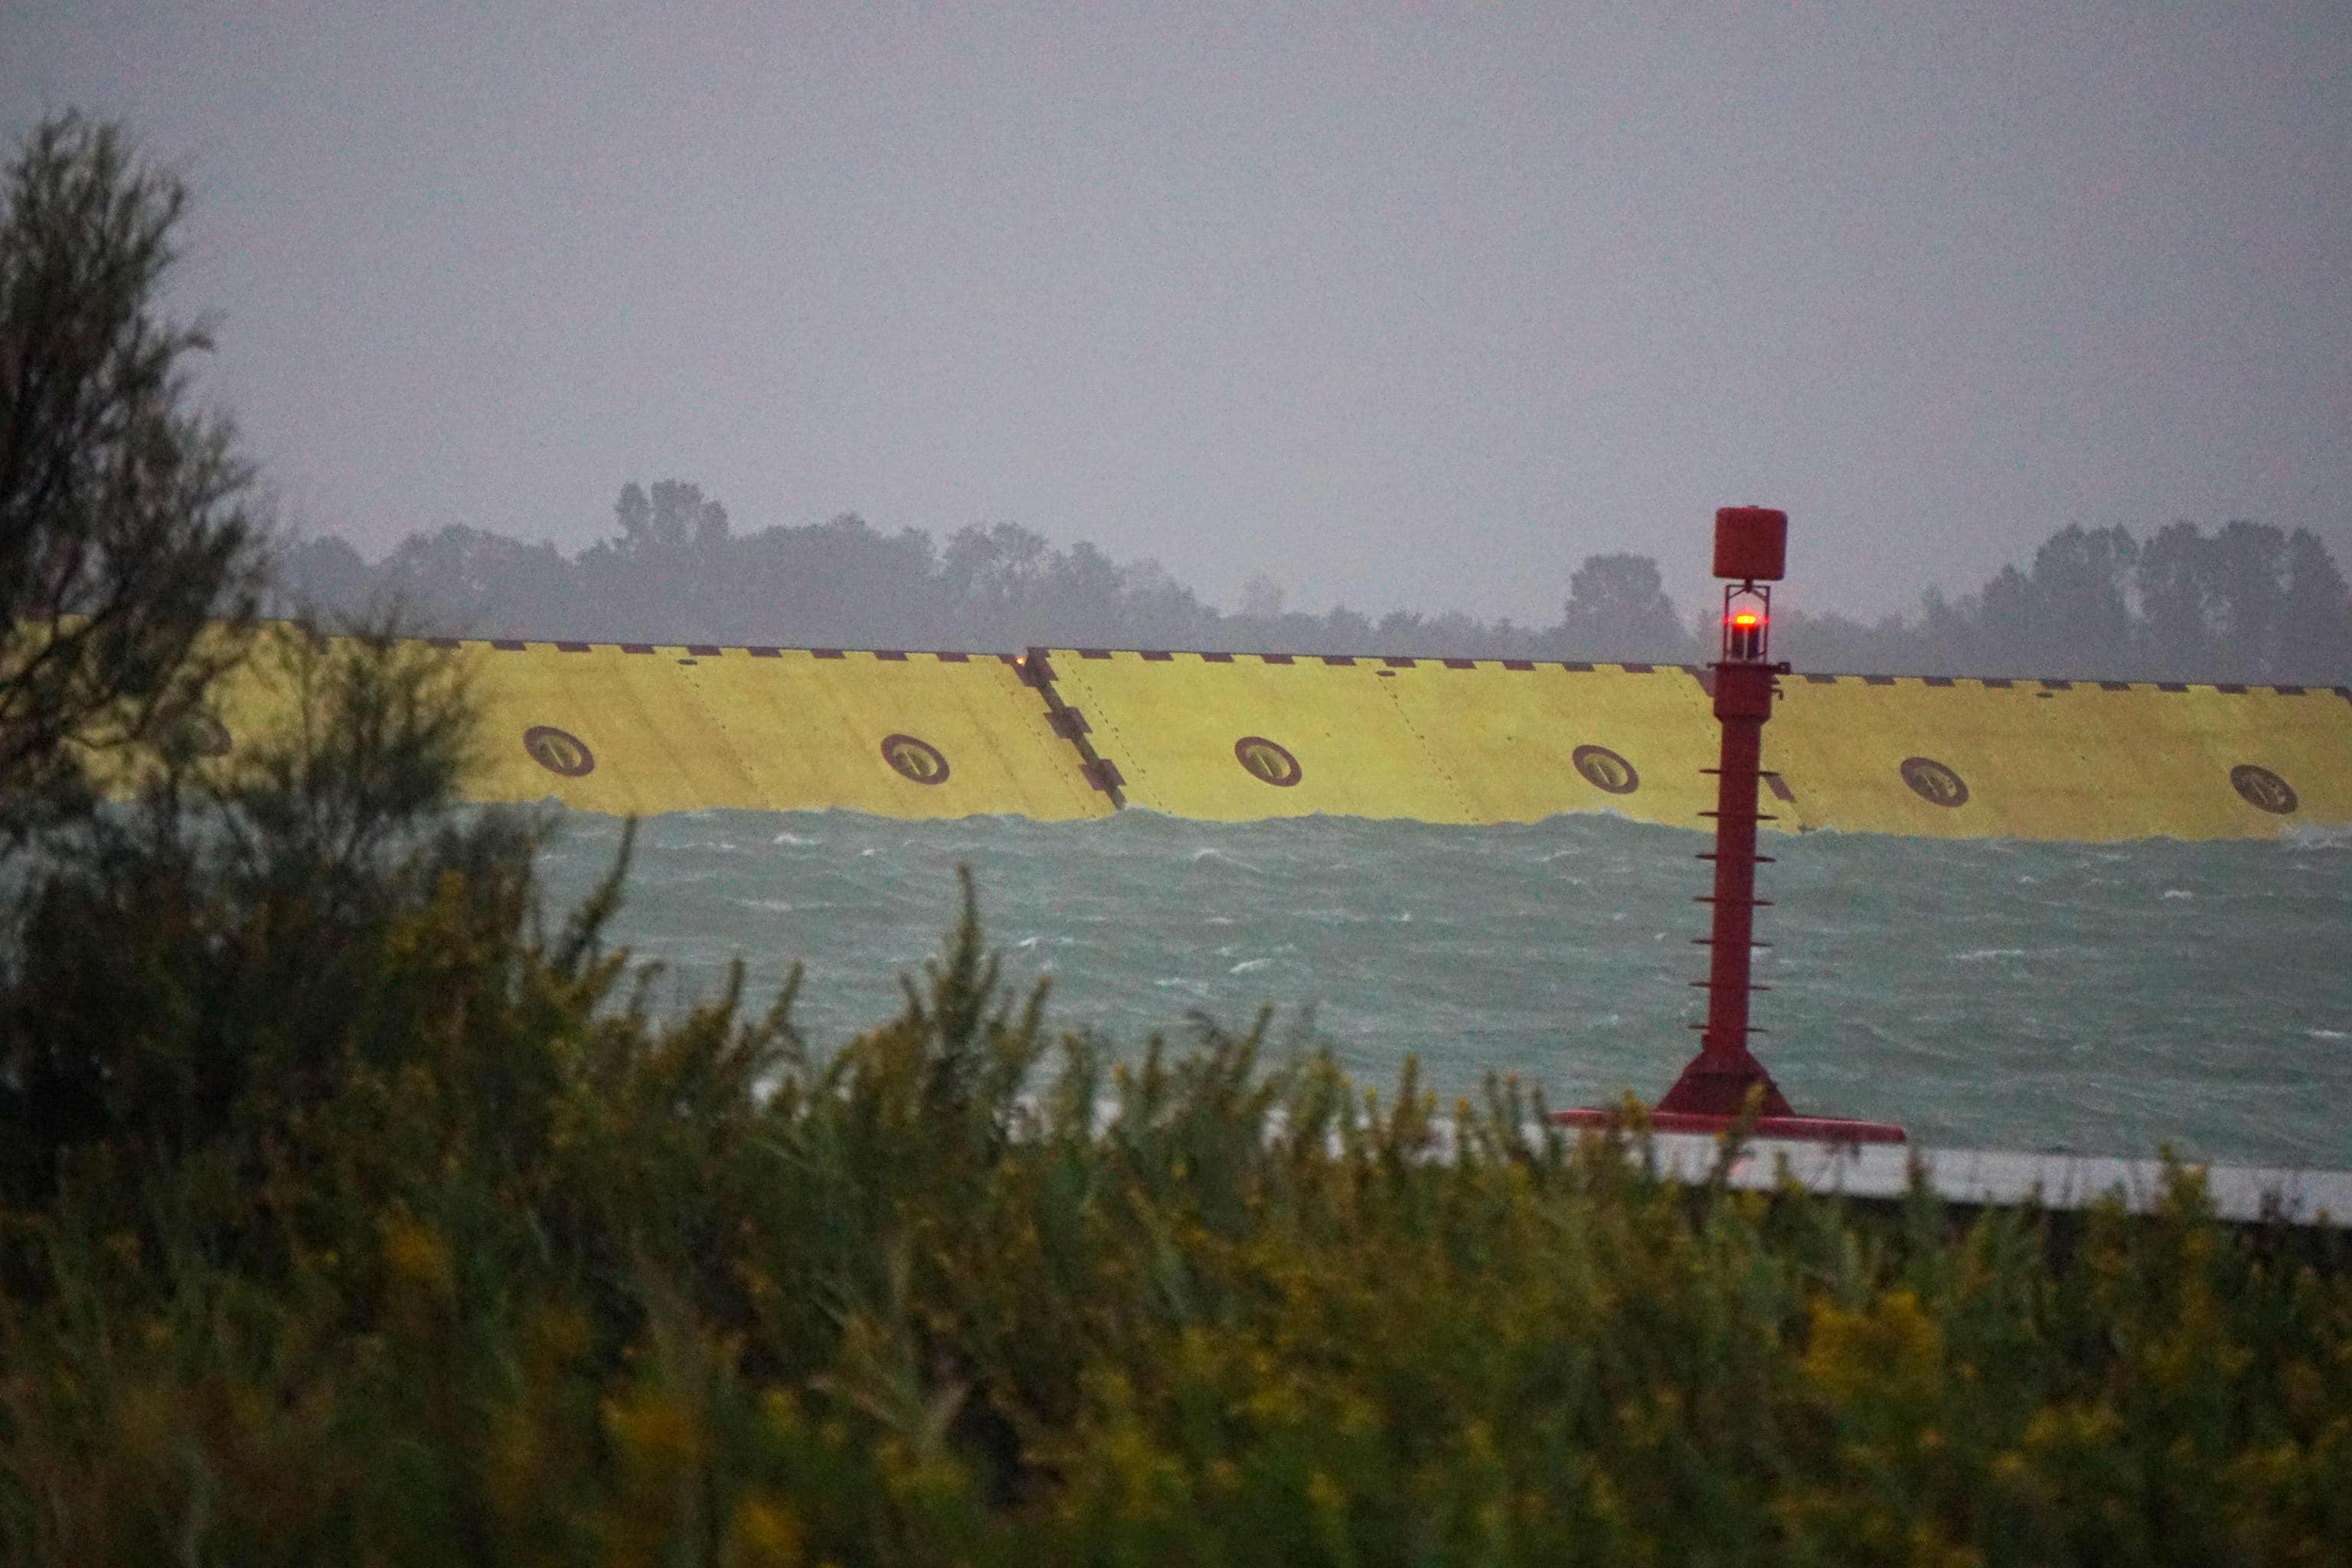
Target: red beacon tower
(1751, 553)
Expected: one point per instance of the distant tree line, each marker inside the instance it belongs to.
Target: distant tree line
(2244, 602)
(676, 571)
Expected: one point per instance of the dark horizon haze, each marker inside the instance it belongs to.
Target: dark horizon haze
(1395, 307)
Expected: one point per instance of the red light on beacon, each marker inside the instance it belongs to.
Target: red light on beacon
(1747, 618)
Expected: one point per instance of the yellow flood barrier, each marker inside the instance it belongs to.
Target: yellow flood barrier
(1243, 736)
(2060, 759)
(1076, 734)
(1238, 737)
(634, 728)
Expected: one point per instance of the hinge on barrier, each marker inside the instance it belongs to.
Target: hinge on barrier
(1104, 775)
(1068, 724)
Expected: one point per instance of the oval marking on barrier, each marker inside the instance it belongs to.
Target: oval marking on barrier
(2263, 790)
(558, 750)
(1934, 782)
(1268, 761)
(915, 759)
(1605, 771)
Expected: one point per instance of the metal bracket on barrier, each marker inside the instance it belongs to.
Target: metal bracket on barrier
(1100, 774)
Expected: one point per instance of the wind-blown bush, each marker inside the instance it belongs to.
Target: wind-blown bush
(523, 1275)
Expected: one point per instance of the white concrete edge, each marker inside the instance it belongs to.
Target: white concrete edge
(2295, 1195)
(2309, 1197)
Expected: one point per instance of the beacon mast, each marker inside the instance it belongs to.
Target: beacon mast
(1750, 553)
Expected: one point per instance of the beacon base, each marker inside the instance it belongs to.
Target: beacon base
(1811, 1129)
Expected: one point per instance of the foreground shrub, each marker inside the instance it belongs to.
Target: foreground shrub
(524, 1276)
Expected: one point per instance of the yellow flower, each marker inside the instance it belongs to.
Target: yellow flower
(1892, 1348)
(417, 1257)
(764, 1533)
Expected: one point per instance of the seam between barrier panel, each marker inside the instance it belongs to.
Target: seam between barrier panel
(714, 717)
(1097, 772)
(1436, 763)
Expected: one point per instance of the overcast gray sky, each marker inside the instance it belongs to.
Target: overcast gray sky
(1397, 305)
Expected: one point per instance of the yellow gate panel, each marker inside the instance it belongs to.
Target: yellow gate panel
(675, 728)
(593, 729)
(1901, 757)
(2303, 742)
(2060, 759)
(911, 736)
(1234, 738)
(601, 731)
(1523, 741)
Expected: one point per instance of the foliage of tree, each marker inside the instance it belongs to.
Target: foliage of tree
(674, 517)
(2245, 602)
(180, 960)
(675, 571)
(1618, 609)
(129, 543)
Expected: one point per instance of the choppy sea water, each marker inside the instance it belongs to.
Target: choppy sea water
(2094, 998)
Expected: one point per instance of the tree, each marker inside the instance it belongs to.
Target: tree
(461, 576)
(2179, 605)
(994, 570)
(2080, 582)
(170, 965)
(1261, 599)
(211, 942)
(2249, 566)
(674, 516)
(1618, 609)
(320, 574)
(2315, 620)
(130, 546)
(2251, 603)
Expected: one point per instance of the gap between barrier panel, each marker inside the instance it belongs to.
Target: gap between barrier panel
(1037, 672)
